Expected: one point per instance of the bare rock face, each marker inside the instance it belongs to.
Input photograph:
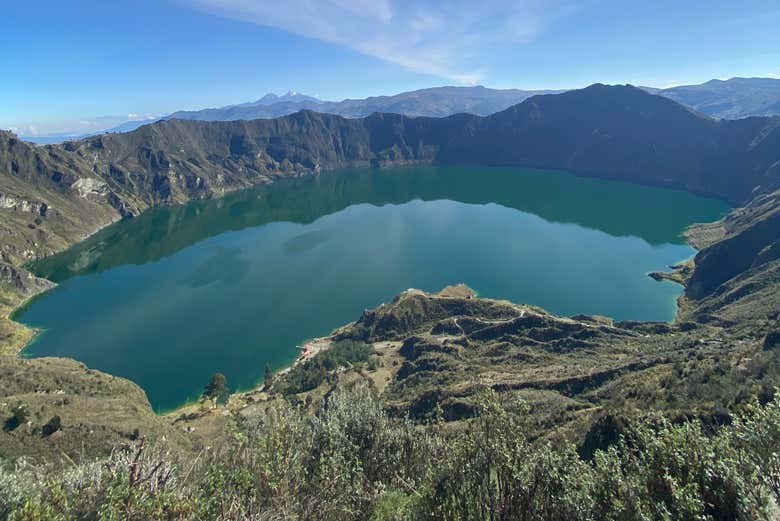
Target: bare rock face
(18, 204)
(86, 186)
(22, 280)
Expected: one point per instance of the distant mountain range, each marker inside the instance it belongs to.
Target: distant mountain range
(433, 102)
(730, 99)
(289, 97)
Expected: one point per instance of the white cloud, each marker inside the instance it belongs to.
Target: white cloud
(441, 37)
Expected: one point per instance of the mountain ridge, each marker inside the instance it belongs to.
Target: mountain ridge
(618, 132)
(432, 102)
(735, 98)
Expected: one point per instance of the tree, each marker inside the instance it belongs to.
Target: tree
(217, 389)
(268, 375)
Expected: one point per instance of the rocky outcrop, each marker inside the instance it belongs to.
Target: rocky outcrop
(17, 204)
(86, 186)
(21, 280)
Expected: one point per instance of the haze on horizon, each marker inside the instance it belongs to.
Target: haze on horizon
(87, 65)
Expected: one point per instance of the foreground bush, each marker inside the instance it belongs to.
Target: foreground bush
(353, 461)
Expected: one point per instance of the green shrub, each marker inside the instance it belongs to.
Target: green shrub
(352, 461)
(51, 426)
(756, 433)
(395, 506)
(674, 472)
(492, 472)
(19, 415)
(310, 374)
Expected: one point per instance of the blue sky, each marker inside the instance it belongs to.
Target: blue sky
(64, 63)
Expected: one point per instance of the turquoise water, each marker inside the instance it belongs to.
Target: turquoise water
(179, 293)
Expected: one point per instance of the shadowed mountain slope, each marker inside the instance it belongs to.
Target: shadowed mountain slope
(736, 280)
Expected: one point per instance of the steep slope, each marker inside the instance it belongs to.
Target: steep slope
(736, 280)
(622, 132)
(618, 132)
(49, 199)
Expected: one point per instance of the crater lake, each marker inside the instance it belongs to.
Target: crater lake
(171, 297)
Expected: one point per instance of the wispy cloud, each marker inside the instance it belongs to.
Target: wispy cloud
(445, 38)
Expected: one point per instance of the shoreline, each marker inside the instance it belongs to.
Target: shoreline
(18, 307)
(259, 386)
(689, 234)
